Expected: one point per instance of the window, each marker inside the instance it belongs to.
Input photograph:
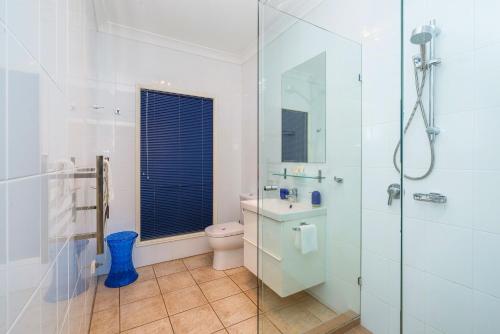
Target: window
(176, 164)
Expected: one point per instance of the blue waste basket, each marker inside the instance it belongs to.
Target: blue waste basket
(122, 270)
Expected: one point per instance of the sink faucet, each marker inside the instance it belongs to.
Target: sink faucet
(293, 195)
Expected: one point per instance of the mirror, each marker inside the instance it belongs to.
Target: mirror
(303, 112)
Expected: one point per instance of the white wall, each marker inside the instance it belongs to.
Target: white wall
(121, 64)
(43, 120)
(249, 131)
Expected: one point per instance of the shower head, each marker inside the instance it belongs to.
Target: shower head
(423, 34)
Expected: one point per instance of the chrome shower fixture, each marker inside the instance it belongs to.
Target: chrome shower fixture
(423, 67)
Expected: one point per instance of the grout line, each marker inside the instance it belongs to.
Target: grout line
(164, 304)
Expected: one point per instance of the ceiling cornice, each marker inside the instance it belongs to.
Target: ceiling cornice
(104, 25)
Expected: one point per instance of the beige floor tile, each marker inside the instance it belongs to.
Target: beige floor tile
(249, 326)
(269, 299)
(293, 319)
(169, 267)
(222, 331)
(252, 294)
(245, 280)
(138, 290)
(158, 327)
(358, 330)
(219, 288)
(184, 299)
(105, 322)
(175, 281)
(100, 282)
(266, 326)
(142, 312)
(234, 309)
(198, 261)
(145, 273)
(319, 310)
(235, 270)
(201, 320)
(205, 274)
(106, 298)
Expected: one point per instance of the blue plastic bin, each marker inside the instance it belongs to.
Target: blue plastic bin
(122, 270)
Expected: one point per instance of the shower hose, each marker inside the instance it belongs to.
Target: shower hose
(419, 85)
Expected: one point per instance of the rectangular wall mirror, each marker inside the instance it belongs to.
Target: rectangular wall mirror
(303, 112)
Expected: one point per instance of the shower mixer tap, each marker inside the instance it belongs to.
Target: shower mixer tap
(394, 191)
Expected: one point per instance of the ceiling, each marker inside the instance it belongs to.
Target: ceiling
(222, 29)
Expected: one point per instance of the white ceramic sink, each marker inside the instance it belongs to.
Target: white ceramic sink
(282, 210)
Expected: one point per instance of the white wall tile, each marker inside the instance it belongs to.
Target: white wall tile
(457, 35)
(486, 310)
(377, 277)
(453, 149)
(23, 111)
(454, 85)
(23, 19)
(485, 138)
(47, 303)
(3, 104)
(412, 326)
(449, 306)
(376, 314)
(456, 211)
(486, 70)
(48, 36)
(485, 22)
(414, 296)
(449, 252)
(485, 204)
(381, 233)
(486, 256)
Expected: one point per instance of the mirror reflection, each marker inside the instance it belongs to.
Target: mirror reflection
(303, 110)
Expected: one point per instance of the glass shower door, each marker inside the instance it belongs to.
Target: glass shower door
(307, 222)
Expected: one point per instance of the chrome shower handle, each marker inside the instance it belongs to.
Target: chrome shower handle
(394, 191)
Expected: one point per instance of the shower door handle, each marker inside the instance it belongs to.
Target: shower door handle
(394, 191)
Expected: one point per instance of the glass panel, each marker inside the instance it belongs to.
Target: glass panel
(307, 222)
(451, 229)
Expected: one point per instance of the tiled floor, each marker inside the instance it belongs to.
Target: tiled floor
(358, 330)
(188, 296)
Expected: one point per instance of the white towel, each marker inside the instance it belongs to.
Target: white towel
(306, 238)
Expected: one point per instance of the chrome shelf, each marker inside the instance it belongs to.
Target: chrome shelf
(318, 177)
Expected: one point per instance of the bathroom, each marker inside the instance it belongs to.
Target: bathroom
(284, 166)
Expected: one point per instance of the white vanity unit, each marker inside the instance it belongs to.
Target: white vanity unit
(282, 265)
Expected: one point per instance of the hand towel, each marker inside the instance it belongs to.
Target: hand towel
(306, 238)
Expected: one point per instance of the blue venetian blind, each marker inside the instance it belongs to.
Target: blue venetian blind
(176, 164)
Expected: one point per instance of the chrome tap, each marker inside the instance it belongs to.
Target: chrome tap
(293, 195)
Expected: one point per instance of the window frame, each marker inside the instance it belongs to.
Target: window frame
(163, 89)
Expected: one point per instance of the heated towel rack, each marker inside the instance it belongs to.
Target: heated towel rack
(101, 175)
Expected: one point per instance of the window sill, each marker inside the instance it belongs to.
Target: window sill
(170, 239)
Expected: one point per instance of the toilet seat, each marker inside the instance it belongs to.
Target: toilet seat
(224, 230)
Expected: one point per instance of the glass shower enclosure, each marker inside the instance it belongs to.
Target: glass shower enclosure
(303, 238)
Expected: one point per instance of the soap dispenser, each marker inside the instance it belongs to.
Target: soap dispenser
(316, 199)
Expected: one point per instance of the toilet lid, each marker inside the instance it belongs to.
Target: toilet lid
(224, 230)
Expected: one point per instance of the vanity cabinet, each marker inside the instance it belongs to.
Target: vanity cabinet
(270, 253)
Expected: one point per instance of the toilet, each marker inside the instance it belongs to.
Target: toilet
(226, 239)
